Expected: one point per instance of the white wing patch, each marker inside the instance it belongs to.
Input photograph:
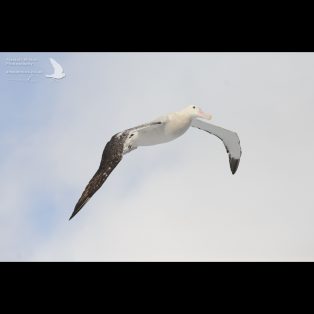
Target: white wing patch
(230, 139)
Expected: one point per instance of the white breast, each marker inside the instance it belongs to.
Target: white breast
(173, 126)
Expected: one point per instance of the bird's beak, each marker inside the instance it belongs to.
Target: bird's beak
(204, 115)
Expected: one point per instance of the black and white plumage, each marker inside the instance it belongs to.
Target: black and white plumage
(229, 138)
(120, 144)
(160, 130)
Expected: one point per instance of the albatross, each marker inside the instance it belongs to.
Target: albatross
(161, 130)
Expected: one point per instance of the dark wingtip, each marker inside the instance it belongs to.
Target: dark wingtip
(79, 206)
(74, 213)
(234, 164)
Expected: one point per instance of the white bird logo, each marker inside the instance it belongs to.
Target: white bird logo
(58, 70)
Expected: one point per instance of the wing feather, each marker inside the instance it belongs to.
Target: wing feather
(229, 138)
(111, 156)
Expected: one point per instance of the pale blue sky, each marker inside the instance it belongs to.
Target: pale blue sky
(176, 201)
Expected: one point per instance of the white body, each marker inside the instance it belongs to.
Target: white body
(172, 126)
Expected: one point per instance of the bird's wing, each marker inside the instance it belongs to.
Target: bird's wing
(112, 155)
(229, 138)
(56, 66)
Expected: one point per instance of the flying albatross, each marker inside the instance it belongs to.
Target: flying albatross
(160, 130)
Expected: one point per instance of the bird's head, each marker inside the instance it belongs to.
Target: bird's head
(196, 112)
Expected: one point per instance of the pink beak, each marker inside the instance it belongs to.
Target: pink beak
(204, 115)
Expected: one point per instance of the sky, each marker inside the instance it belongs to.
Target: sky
(172, 202)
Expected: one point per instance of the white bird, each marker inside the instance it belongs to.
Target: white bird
(160, 130)
(58, 70)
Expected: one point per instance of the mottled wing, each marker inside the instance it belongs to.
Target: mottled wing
(112, 155)
(229, 138)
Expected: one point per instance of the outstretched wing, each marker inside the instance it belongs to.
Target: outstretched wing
(229, 138)
(114, 150)
(111, 156)
(56, 66)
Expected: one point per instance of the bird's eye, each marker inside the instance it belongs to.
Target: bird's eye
(193, 107)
